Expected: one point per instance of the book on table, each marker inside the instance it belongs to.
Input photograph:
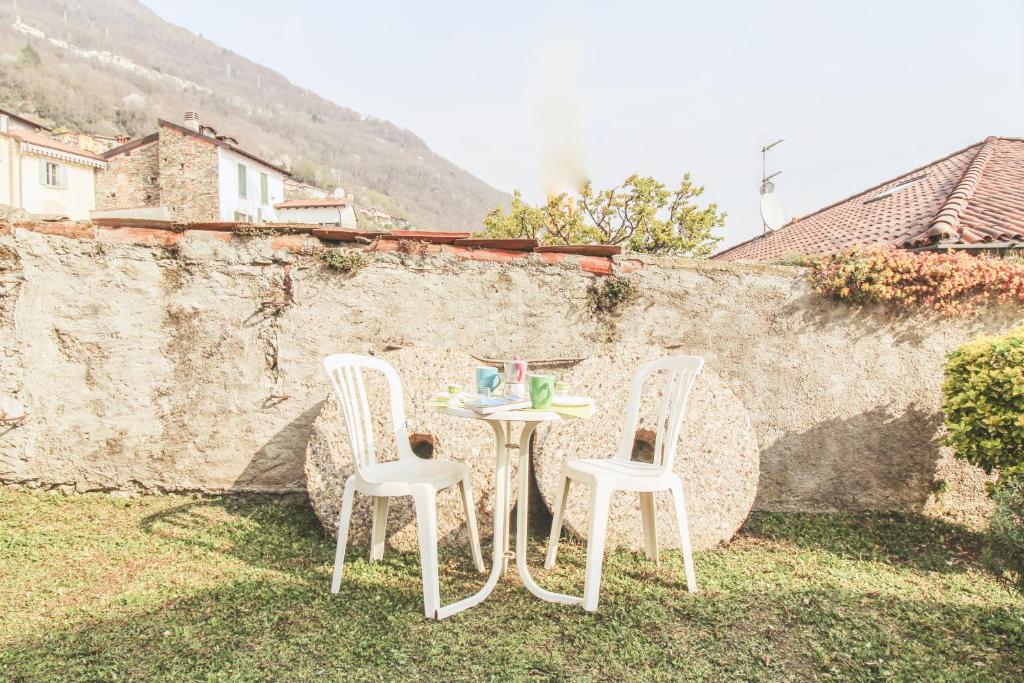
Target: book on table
(485, 405)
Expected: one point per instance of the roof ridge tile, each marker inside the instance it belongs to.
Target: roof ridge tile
(946, 224)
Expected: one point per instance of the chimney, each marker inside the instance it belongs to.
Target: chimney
(192, 120)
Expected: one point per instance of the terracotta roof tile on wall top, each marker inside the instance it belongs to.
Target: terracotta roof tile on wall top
(969, 196)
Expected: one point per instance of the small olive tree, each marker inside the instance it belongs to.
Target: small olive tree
(641, 214)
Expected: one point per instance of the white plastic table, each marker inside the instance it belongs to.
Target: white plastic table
(501, 555)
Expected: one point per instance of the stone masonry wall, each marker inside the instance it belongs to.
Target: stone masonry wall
(188, 177)
(130, 180)
(199, 369)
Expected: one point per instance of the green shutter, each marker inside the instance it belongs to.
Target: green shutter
(42, 171)
(263, 188)
(241, 180)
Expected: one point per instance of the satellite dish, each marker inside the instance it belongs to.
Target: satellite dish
(771, 211)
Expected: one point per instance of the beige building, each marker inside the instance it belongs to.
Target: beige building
(40, 175)
(90, 142)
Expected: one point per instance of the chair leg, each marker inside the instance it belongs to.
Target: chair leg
(379, 529)
(343, 519)
(599, 499)
(684, 536)
(650, 525)
(556, 523)
(466, 488)
(426, 523)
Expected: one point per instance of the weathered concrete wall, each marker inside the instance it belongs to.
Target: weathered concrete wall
(200, 369)
(130, 180)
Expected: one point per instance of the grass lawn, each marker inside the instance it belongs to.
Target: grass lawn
(174, 588)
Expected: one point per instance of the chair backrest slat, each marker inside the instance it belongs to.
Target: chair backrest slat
(680, 374)
(367, 423)
(346, 374)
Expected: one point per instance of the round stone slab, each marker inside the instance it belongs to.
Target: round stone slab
(717, 457)
(424, 371)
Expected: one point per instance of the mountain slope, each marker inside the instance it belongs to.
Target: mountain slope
(113, 66)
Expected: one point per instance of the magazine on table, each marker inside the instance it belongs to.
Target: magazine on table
(485, 405)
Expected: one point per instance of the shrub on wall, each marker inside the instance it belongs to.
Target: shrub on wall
(983, 402)
(343, 260)
(949, 283)
(609, 294)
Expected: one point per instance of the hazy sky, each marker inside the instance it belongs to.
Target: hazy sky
(861, 91)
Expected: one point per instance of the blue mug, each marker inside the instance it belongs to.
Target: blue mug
(487, 380)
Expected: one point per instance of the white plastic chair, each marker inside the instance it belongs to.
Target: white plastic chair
(620, 473)
(406, 476)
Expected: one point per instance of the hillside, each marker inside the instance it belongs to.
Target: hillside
(113, 66)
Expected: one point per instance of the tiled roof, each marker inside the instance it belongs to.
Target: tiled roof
(222, 141)
(49, 143)
(970, 198)
(310, 203)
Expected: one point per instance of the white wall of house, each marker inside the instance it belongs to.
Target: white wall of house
(44, 184)
(254, 205)
(8, 171)
(323, 215)
(56, 186)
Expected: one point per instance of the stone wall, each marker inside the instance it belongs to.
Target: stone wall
(130, 180)
(199, 369)
(189, 176)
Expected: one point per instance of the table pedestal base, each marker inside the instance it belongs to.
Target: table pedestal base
(500, 554)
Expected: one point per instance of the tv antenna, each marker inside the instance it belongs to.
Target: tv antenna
(771, 208)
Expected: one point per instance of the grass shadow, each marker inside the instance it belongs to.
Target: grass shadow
(899, 539)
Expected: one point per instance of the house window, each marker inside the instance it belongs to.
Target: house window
(242, 189)
(242, 217)
(53, 175)
(259, 215)
(264, 191)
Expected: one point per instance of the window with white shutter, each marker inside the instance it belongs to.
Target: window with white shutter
(242, 188)
(53, 174)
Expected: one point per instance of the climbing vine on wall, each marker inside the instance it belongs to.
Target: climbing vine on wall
(952, 283)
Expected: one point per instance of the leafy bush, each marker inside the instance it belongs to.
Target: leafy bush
(641, 214)
(983, 402)
(1005, 552)
(343, 260)
(609, 294)
(948, 283)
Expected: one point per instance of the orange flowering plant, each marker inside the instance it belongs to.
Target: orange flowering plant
(951, 283)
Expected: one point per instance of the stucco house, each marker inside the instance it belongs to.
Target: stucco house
(972, 199)
(188, 173)
(327, 211)
(40, 175)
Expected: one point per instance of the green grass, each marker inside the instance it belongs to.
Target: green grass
(175, 588)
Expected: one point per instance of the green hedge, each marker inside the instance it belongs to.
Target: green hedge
(983, 402)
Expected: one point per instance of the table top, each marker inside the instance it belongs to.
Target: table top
(555, 414)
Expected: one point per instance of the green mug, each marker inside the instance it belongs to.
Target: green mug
(542, 387)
